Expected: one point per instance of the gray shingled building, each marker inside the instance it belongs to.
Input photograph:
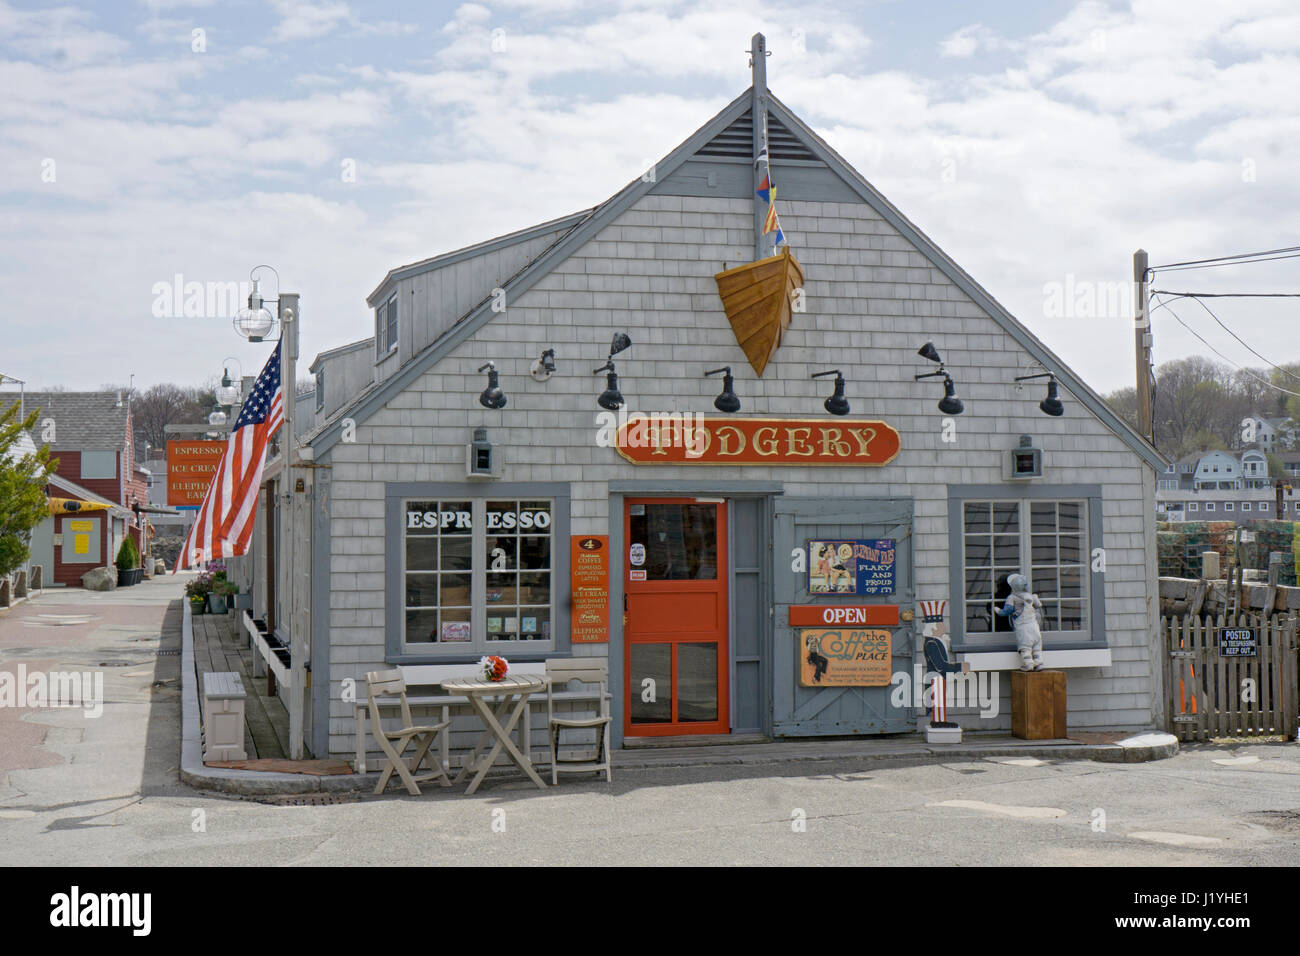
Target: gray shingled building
(412, 558)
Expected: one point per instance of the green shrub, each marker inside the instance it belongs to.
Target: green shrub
(128, 556)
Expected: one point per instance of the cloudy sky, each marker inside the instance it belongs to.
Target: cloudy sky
(1038, 143)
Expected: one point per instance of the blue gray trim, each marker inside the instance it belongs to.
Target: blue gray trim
(320, 584)
(470, 252)
(394, 598)
(365, 406)
(1086, 396)
(957, 561)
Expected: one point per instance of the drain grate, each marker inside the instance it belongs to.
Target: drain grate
(307, 799)
(115, 663)
(169, 652)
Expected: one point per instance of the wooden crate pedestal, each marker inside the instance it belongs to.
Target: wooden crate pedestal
(1038, 705)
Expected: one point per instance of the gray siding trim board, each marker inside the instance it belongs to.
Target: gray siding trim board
(320, 613)
(649, 486)
(957, 495)
(394, 585)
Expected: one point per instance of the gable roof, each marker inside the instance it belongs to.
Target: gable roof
(714, 134)
(341, 350)
(82, 420)
(469, 252)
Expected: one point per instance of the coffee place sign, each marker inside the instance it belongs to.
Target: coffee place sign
(691, 439)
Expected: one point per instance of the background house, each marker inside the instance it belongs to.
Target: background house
(90, 435)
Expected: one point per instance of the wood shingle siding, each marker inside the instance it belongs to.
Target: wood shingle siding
(872, 300)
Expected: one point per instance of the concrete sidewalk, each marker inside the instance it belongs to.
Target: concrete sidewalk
(902, 748)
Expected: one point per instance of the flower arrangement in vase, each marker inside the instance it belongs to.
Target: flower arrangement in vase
(494, 668)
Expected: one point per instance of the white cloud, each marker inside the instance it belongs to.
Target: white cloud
(1165, 124)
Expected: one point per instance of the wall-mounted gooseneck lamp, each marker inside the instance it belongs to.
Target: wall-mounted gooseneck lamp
(544, 367)
(493, 396)
(837, 404)
(950, 404)
(612, 399)
(727, 401)
(1051, 405)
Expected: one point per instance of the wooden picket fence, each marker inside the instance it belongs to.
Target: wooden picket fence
(1206, 691)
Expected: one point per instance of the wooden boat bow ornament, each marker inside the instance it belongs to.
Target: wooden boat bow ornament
(758, 300)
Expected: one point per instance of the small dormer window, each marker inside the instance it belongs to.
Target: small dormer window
(320, 390)
(386, 327)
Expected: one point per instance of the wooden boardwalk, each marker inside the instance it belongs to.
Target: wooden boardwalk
(218, 646)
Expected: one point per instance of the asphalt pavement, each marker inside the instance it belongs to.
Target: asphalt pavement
(82, 790)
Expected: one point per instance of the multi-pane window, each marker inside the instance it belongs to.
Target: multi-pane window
(386, 327)
(1044, 540)
(1209, 506)
(478, 573)
(1192, 506)
(439, 543)
(518, 559)
(320, 390)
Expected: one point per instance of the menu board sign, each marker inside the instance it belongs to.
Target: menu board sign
(589, 580)
(191, 466)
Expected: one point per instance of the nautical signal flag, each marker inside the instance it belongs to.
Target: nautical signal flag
(771, 223)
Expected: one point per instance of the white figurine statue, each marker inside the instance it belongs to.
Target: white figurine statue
(1024, 609)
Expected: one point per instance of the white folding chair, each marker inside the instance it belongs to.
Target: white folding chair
(587, 670)
(394, 742)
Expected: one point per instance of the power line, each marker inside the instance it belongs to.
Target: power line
(1244, 255)
(1239, 368)
(1228, 295)
(1242, 341)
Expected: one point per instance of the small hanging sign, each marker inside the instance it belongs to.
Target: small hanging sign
(589, 585)
(851, 567)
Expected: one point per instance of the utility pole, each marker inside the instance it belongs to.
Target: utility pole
(1142, 336)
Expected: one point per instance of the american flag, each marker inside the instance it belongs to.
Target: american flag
(224, 523)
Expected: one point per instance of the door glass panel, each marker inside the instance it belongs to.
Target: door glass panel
(675, 542)
(697, 682)
(652, 703)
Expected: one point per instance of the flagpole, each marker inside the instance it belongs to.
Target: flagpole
(758, 112)
(294, 601)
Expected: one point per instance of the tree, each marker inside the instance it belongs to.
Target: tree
(168, 404)
(23, 503)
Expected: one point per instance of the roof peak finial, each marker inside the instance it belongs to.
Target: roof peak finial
(758, 54)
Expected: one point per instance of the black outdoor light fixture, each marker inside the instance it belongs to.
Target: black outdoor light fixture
(950, 404)
(727, 400)
(612, 399)
(837, 404)
(544, 367)
(1051, 405)
(493, 396)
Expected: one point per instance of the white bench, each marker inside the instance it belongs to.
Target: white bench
(431, 675)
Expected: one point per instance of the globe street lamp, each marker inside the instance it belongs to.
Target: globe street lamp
(255, 323)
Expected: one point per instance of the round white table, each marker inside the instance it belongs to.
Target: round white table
(513, 691)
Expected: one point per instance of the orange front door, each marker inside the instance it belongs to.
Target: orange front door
(675, 667)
